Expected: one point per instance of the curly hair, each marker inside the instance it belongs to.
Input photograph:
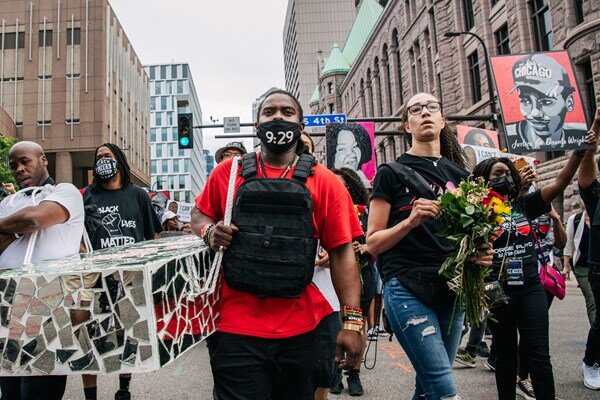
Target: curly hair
(122, 165)
(354, 184)
(449, 146)
(484, 169)
(360, 135)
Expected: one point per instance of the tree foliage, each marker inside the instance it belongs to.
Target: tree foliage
(5, 145)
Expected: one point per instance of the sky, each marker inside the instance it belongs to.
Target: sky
(234, 49)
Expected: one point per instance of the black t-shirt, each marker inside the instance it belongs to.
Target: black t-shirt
(590, 197)
(420, 250)
(521, 245)
(367, 271)
(584, 246)
(126, 214)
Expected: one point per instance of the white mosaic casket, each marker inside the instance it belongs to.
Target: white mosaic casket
(133, 308)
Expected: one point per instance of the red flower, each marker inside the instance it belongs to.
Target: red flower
(360, 209)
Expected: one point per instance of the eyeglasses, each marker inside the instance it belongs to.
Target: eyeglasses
(228, 154)
(416, 109)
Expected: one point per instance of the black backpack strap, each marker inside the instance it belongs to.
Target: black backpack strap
(248, 163)
(304, 167)
(415, 183)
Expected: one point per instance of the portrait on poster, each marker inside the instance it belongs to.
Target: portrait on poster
(477, 136)
(351, 145)
(541, 103)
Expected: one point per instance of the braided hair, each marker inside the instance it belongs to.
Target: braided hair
(449, 146)
(354, 184)
(122, 166)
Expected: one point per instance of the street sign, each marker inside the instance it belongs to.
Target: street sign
(317, 123)
(231, 124)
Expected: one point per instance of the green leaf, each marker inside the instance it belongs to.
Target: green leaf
(465, 220)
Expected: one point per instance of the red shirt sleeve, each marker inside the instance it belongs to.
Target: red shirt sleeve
(335, 218)
(211, 201)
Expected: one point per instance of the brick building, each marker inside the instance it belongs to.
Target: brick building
(70, 81)
(405, 52)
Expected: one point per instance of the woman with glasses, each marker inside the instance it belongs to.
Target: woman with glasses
(402, 233)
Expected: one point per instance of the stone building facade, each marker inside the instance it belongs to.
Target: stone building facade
(406, 53)
(70, 81)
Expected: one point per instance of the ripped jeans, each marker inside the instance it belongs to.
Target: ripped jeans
(429, 336)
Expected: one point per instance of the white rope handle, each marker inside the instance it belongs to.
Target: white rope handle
(87, 242)
(211, 281)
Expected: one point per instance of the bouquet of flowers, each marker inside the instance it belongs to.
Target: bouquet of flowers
(469, 214)
(360, 260)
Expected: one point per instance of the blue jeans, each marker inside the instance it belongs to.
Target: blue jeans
(429, 336)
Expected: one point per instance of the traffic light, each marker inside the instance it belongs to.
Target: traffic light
(185, 131)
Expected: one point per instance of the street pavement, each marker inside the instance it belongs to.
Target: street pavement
(393, 377)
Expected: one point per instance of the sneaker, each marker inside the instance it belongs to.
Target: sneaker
(381, 331)
(525, 390)
(122, 395)
(337, 386)
(483, 350)
(372, 334)
(465, 358)
(491, 364)
(591, 376)
(354, 386)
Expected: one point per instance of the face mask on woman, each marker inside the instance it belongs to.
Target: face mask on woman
(503, 185)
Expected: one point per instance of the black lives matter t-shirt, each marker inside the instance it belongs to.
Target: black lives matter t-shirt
(521, 244)
(420, 251)
(127, 216)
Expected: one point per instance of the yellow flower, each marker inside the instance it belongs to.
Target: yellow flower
(499, 220)
(498, 208)
(506, 210)
(496, 201)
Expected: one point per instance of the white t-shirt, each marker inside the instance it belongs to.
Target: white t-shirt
(57, 241)
(322, 280)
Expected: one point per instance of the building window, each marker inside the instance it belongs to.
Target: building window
(158, 117)
(469, 15)
(152, 73)
(45, 38)
(10, 40)
(176, 166)
(179, 87)
(186, 165)
(578, 5)
(475, 77)
(165, 166)
(73, 36)
(330, 108)
(163, 135)
(159, 151)
(163, 103)
(494, 2)
(152, 103)
(174, 71)
(184, 71)
(588, 82)
(502, 40)
(163, 72)
(153, 167)
(170, 152)
(330, 88)
(157, 88)
(181, 181)
(152, 135)
(542, 25)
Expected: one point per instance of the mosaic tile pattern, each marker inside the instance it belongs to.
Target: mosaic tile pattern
(133, 308)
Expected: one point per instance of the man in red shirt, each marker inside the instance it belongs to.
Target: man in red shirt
(266, 347)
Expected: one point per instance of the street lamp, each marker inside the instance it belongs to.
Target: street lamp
(488, 70)
(155, 183)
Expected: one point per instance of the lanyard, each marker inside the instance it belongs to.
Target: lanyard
(287, 169)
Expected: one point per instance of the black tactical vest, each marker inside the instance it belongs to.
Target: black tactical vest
(273, 254)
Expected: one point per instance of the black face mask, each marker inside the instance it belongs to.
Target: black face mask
(106, 169)
(279, 136)
(503, 185)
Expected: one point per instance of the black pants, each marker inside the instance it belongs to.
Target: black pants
(592, 348)
(33, 387)
(523, 361)
(527, 315)
(475, 337)
(250, 368)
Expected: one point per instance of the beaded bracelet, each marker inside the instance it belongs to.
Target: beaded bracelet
(207, 234)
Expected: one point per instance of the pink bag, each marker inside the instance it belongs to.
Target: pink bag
(551, 279)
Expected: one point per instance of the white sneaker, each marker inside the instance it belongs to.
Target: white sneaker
(591, 376)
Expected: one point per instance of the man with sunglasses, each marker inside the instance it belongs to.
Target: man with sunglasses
(231, 150)
(545, 96)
